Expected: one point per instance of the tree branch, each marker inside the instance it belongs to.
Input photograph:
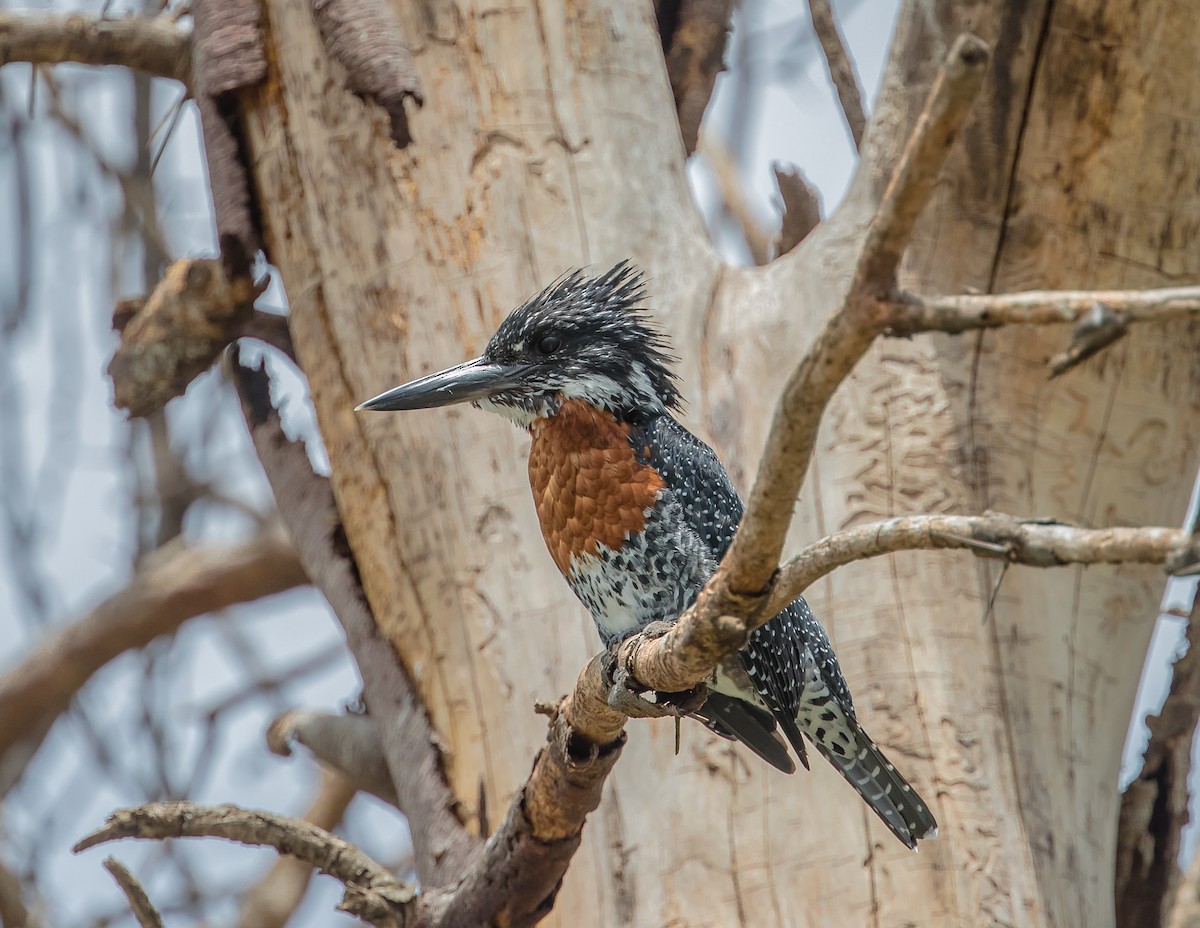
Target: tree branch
(349, 744)
(693, 34)
(152, 44)
(957, 314)
(849, 332)
(175, 584)
(444, 848)
(177, 332)
(372, 893)
(143, 909)
(1018, 541)
(273, 900)
(841, 69)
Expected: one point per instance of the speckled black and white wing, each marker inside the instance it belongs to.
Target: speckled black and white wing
(790, 669)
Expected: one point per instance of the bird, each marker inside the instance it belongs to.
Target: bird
(637, 513)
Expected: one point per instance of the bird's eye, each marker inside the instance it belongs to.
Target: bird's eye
(549, 344)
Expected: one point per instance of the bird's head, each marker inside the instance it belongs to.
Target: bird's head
(580, 338)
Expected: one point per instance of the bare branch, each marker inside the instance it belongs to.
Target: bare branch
(272, 901)
(175, 584)
(955, 314)
(1154, 808)
(694, 34)
(1018, 541)
(755, 552)
(725, 172)
(801, 207)
(143, 909)
(13, 911)
(177, 333)
(379, 897)
(349, 744)
(841, 68)
(155, 45)
(444, 848)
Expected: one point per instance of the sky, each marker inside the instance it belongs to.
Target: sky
(69, 454)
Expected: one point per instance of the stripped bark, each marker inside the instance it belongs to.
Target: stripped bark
(155, 45)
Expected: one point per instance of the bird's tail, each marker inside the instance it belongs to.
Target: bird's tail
(851, 751)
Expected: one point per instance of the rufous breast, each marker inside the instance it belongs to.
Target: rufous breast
(589, 486)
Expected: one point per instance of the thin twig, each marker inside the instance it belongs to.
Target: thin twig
(758, 241)
(143, 909)
(955, 314)
(841, 68)
(177, 584)
(376, 890)
(349, 744)
(993, 536)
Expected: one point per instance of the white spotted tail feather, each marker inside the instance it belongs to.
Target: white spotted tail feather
(845, 745)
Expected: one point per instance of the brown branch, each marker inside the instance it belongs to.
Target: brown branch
(271, 329)
(175, 584)
(801, 207)
(841, 68)
(177, 332)
(365, 36)
(694, 35)
(274, 899)
(13, 911)
(443, 846)
(372, 893)
(849, 332)
(349, 744)
(143, 909)
(155, 45)
(1154, 808)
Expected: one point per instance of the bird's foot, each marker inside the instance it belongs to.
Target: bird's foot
(626, 695)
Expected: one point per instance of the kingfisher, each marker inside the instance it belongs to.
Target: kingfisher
(637, 513)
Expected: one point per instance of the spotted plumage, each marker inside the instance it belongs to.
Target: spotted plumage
(637, 513)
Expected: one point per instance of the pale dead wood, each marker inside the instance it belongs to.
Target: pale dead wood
(849, 332)
(955, 314)
(1154, 807)
(349, 744)
(152, 44)
(139, 901)
(177, 332)
(444, 848)
(177, 583)
(1185, 908)
(992, 535)
(274, 899)
(841, 68)
(371, 892)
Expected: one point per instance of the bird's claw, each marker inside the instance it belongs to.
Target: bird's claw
(625, 695)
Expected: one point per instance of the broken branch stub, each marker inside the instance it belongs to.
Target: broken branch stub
(177, 332)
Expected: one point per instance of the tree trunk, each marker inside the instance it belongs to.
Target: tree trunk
(549, 140)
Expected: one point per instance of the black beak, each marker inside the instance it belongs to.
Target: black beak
(471, 380)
